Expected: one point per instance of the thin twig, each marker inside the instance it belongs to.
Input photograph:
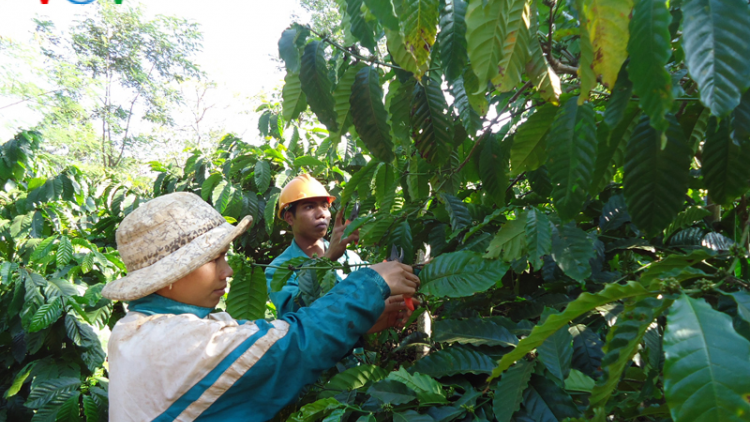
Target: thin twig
(562, 69)
(552, 13)
(349, 52)
(286, 267)
(571, 58)
(743, 241)
(689, 91)
(557, 66)
(31, 98)
(737, 281)
(514, 181)
(636, 98)
(674, 99)
(492, 123)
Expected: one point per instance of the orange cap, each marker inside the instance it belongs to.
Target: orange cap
(301, 187)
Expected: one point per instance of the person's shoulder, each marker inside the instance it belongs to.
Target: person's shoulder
(289, 253)
(292, 251)
(351, 257)
(227, 319)
(284, 256)
(156, 328)
(142, 326)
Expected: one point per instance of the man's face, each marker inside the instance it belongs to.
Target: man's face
(311, 218)
(204, 286)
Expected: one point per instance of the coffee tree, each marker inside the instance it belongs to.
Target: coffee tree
(576, 171)
(57, 251)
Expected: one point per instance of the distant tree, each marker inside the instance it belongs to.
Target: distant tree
(116, 70)
(325, 15)
(198, 123)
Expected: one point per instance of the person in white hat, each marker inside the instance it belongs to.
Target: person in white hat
(171, 358)
(304, 204)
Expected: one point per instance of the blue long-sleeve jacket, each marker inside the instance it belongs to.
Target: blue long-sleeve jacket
(171, 361)
(283, 300)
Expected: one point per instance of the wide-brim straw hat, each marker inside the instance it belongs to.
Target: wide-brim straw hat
(166, 239)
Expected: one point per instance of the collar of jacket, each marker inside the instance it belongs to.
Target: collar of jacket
(155, 304)
(297, 251)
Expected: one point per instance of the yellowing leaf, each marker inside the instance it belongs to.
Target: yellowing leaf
(401, 55)
(420, 28)
(609, 34)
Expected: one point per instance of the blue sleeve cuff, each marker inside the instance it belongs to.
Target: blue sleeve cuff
(385, 290)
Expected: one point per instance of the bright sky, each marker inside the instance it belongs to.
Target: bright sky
(239, 38)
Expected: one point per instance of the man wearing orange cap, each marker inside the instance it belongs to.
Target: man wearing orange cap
(304, 204)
